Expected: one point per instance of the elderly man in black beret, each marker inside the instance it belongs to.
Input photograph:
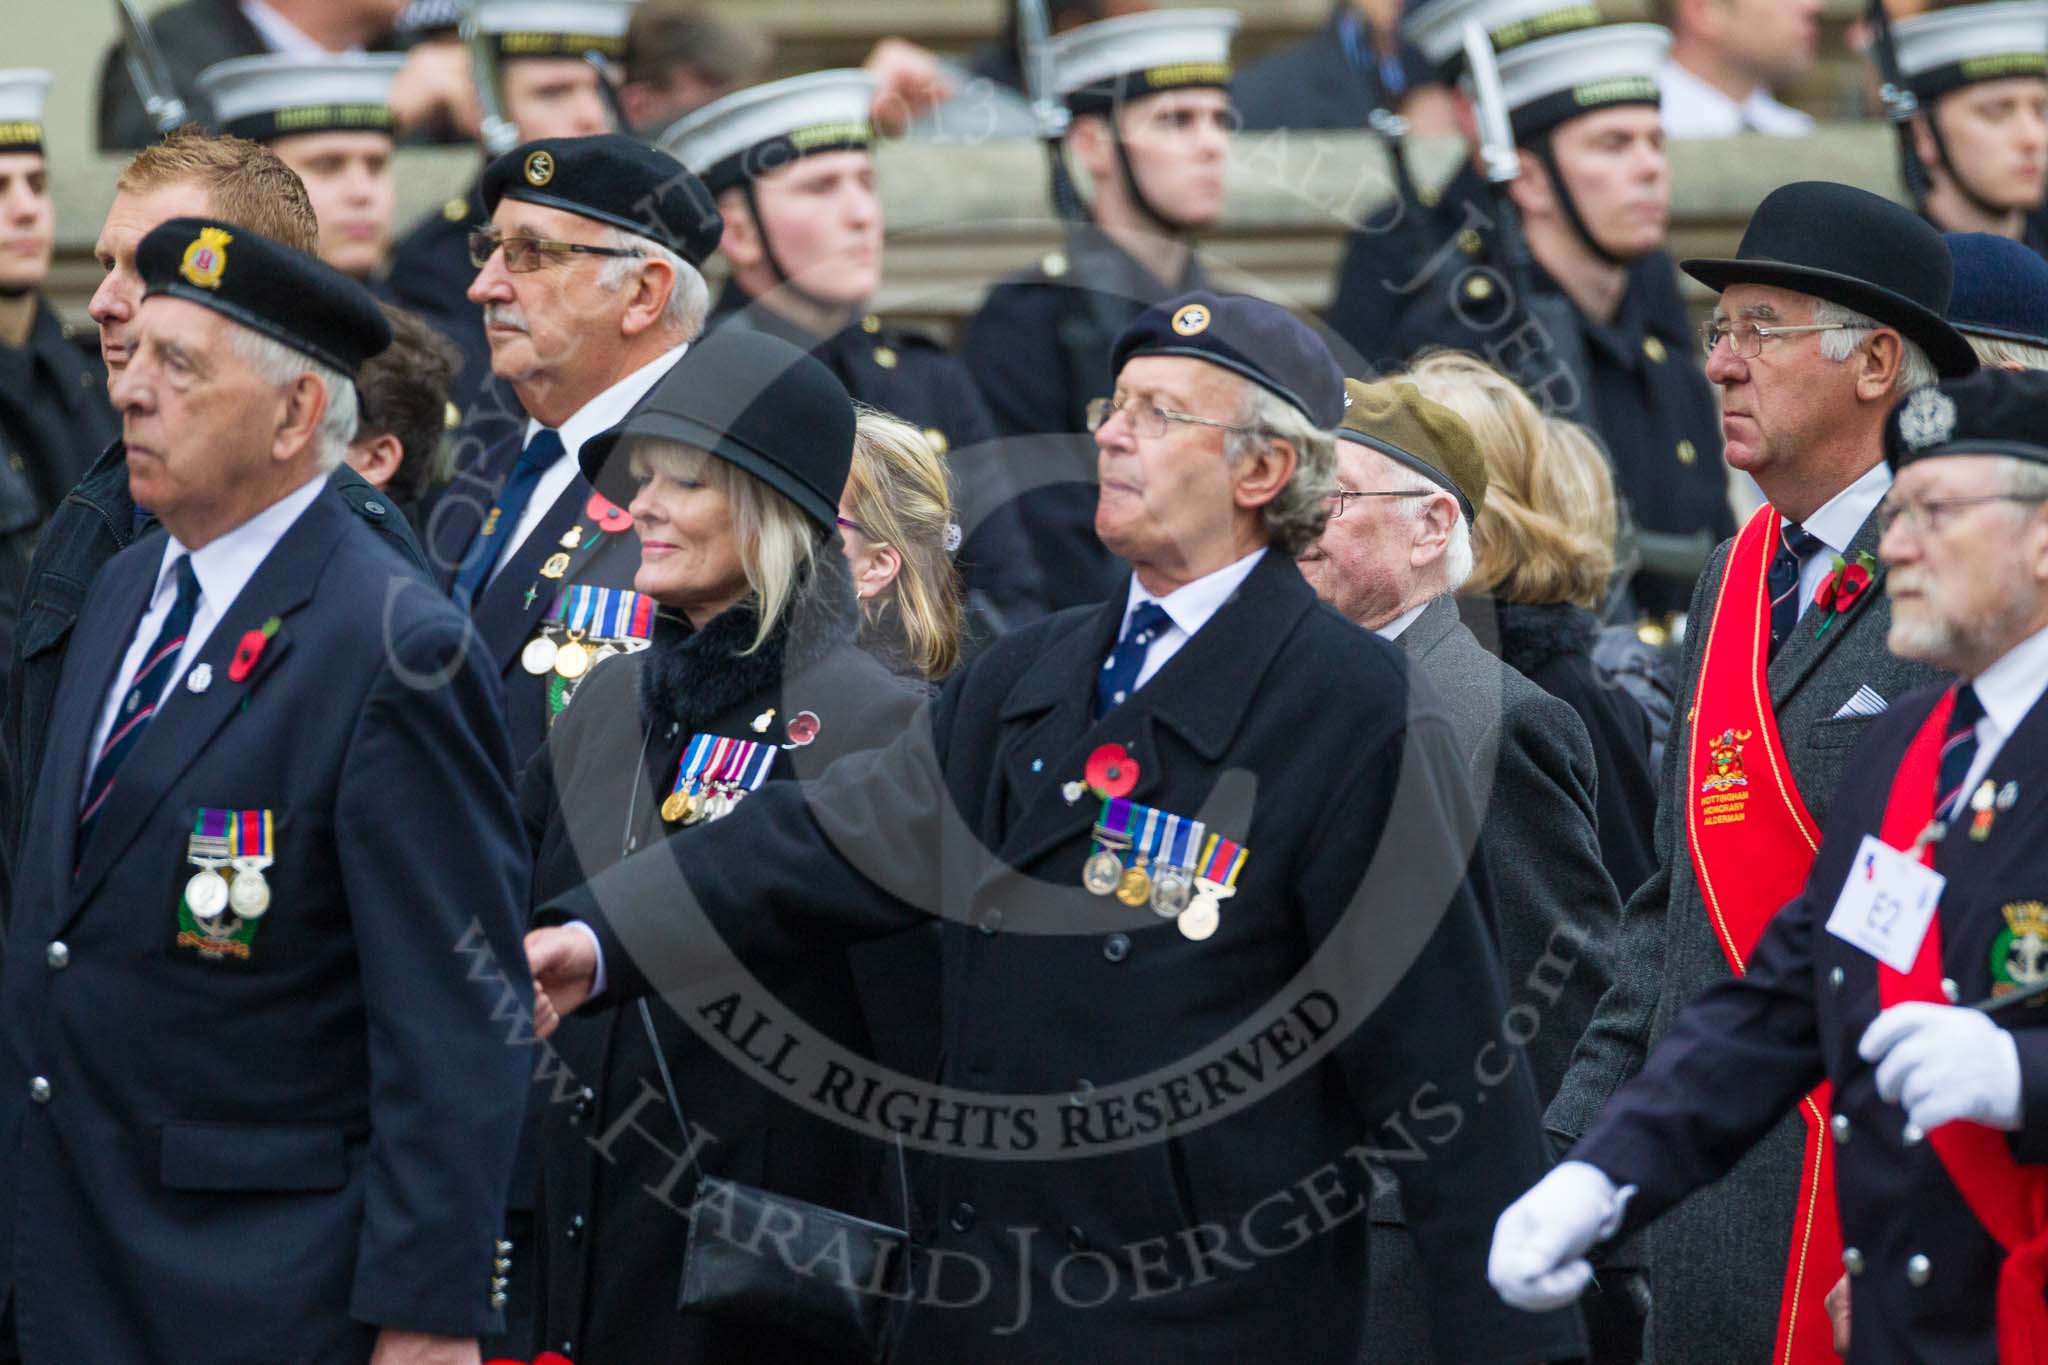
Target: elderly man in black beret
(588, 278)
(1831, 311)
(1410, 481)
(1202, 856)
(1906, 972)
(254, 1103)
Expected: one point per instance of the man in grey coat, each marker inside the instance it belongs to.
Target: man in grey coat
(1830, 311)
(1398, 545)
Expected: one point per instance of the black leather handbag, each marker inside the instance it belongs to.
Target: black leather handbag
(767, 1260)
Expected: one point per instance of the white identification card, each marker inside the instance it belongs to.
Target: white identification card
(1886, 904)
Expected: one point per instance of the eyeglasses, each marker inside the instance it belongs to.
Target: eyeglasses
(1923, 516)
(851, 525)
(1341, 494)
(1148, 419)
(1746, 339)
(523, 255)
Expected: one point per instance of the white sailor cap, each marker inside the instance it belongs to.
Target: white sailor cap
(733, 140)
(555, 28)
(1438, 28)
(22, 92)
(1554, 79)
(1099, 65)
(1955, 47)
(280, 94)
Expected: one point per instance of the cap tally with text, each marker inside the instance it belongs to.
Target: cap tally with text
(735, 139)
(1261, 341)
(1854, 248)
(555, 28)
(1546, 82)
(611, 178)
(2001, 288)
(281, 94)
(752, 400)
(1397, 421)
(1951, 48)
(1437, 28)
(1098, 66)
(267, 287)
(1992, 412)
(22, 93)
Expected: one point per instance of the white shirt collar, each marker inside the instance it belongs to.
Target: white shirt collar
(280, 33)
(1694, 107)
(1192, 604)
(1843, 515)
(609, 408)
(1392, 629)
(2010, 687)
(225, 564)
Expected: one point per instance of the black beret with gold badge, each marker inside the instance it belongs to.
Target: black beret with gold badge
(612, 179)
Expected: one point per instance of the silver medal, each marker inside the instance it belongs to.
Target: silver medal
(206, 893)
(1199, 920)
(1101, 873)
(1171, 891)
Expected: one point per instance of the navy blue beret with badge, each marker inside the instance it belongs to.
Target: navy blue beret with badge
(1992, 412)
(267, 287)
(2001, 288)
(1259, 340)
(611, 178)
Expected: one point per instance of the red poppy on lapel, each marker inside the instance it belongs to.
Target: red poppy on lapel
(609, 516)
(1843, 588)
(250, 649)
(1111, 770)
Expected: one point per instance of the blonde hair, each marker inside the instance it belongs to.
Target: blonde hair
(1547, 532)
(1998, 352)
(898, 493)
(245, 183)
(778, 544)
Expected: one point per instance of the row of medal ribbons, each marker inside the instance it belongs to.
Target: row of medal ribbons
(715, 773)
(1143, 854)
(596, 623)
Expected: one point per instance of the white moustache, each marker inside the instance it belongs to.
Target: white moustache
(504, 315)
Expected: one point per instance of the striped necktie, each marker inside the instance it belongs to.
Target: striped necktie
(144, 694)
(1795, 546)
(1958, 750)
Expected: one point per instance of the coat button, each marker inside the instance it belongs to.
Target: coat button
(499, 1283)
(504, 1247)
(39, 1090)
(1839, 1126)
(1919, 1270)
(991, 921)
(1083, 1088)
(498, 1299)
(57, 955)
(1852, 1261)
(586, 1100)
(373, 507)
(503, 1265)
(1950, 991)
(963, 1216)
(575, 1229)
(1077, 1240)
(1834, 978)
(1117, 947)
(1912, 1135)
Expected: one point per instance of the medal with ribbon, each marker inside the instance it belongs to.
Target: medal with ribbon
(1216, 874)
(613, 620)
(1105, 865)
(250, 846)
(217, 917)
(1180, 839)
(715, 772)
(1134, 888)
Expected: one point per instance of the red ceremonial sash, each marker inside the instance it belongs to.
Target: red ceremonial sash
(1752, 844)
(2009, 1199)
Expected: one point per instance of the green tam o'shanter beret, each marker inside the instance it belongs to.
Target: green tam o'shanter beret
(1397, 421)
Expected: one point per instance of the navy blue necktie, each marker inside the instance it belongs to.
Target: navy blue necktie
(535, 460)
(142, 698)
(1781, 580)
(1119, 675)
(1958, 749)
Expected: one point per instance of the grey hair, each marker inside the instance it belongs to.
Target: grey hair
(1457, 557)
(1915, 369)
(277, 365)
(1294, 519)
(1997, 352)
(2024, 478)
(689, 301)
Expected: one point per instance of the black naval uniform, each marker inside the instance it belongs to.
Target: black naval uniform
(910, 376)
(1039, 351)
(1646, 393)
(1741, 1056)
(431, 274)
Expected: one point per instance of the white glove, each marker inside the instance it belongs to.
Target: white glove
(1538, 1261)
(1944, 1063)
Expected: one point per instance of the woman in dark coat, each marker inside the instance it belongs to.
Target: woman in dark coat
(1542, 552)
(732, 470)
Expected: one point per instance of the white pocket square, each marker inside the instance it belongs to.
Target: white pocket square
(1866, 703)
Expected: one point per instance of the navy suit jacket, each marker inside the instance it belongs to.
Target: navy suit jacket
(266, 1160)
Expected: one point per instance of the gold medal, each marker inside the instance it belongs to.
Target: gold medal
(1101, 873)
(1134, 888)
(572, 661)
(206, 893)
(538, 658)
(557, 565)
(1199, 920)
(677, 807)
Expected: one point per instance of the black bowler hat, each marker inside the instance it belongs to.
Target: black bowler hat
(1992, 412)
(267, 287)
(611, 179)
(2001, 288)
(752, 400)
(1853, 248)
(1261, 341)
